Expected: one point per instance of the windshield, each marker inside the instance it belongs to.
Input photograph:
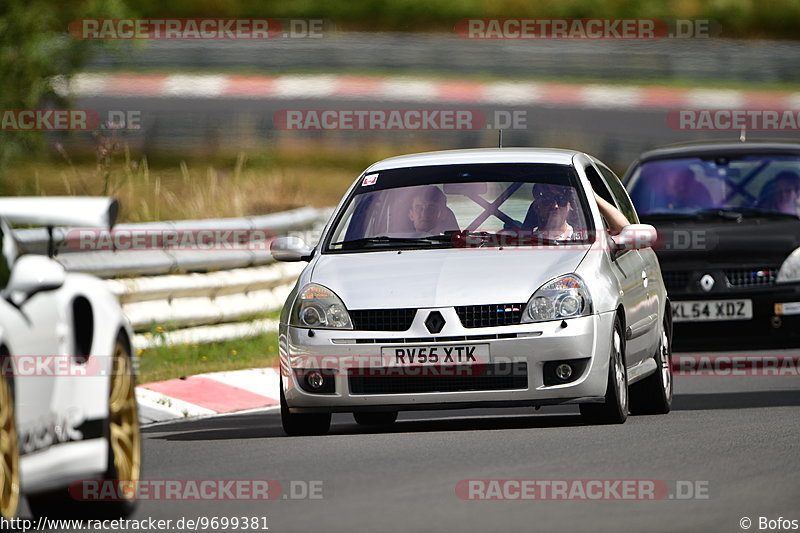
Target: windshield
(752, 185)
(448, 205)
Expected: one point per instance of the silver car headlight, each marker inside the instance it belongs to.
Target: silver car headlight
(563, 297)
(790, 269)
(319, 308)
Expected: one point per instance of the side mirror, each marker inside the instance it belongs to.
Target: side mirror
(32, 274)
(635, 237)
(290, 249)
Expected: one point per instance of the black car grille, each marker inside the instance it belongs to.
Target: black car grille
(751, 277)
(487, 316)
(482, 378)
(676, 280)
(382, 319)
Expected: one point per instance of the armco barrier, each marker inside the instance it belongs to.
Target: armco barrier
(206, 294)
(693, 59)
(108, 264)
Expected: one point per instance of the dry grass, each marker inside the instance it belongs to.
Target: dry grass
(247, 184)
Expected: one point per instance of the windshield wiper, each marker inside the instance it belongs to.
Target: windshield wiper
(660, 215)
(481, 239)
(728, 213)
(383, 240)
(737, 213)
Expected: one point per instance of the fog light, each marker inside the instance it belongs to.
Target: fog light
(315, 380)
(563, 371)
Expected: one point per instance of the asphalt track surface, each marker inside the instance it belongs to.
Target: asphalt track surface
(735, 436)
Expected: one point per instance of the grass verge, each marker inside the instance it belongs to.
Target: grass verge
(168, 362)
(157, 188)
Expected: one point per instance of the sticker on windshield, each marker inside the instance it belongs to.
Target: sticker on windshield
(369, 179)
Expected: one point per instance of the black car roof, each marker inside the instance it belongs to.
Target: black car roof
(704, 148)
(712, 148)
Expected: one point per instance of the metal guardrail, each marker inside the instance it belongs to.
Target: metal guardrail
(205, 294)
(107, 263)
(700, 58)
(188, 300)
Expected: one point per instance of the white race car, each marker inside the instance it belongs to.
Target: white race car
(67, 400)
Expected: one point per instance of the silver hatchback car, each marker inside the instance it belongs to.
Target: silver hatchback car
(476, 278)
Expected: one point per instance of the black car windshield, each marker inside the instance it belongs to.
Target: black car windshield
(749, 185)
(446, 206)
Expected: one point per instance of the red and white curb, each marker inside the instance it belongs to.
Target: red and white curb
(397, 88)
(208, 394)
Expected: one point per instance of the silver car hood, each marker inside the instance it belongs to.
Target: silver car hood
(442, 278)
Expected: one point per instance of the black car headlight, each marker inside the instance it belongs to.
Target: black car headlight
(563, 297)
(318, 307)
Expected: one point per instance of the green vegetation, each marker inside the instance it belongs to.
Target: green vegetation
(776, 19)
(33, 49)
(168, 362)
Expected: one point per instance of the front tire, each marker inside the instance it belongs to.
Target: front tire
(124, 452)
(615, 408)
(653, 395)
(296, 425)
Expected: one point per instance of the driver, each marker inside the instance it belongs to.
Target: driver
(551, 208)
(682, 190)
(552, 205)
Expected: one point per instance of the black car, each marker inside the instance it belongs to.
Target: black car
(729, 239)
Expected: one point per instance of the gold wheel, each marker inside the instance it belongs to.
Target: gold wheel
(126, 445)
(9, 453)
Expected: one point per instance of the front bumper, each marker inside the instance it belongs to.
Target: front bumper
(526, 346)
(766, 328)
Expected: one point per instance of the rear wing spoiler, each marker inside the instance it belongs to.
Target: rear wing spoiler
(88, 211)
(50, 211)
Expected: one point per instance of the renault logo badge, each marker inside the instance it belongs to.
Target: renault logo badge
(707, 282)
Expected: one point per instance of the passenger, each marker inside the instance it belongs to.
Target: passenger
(781, 194)
(429, 213)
